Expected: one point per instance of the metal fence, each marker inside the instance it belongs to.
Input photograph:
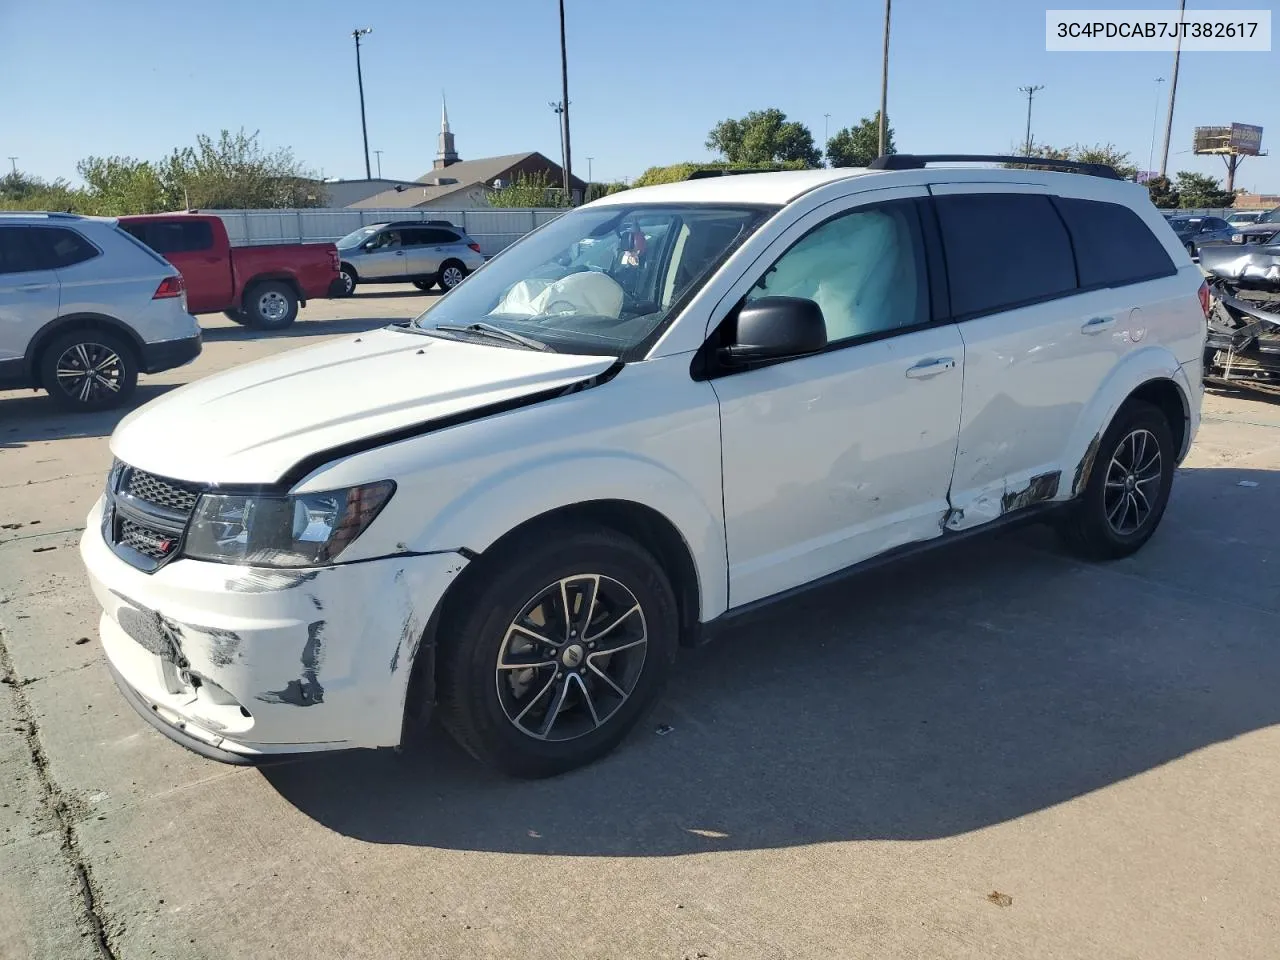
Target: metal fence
(493, 229)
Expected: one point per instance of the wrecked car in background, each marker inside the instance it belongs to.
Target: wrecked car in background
(658, 412)
(1243, 344)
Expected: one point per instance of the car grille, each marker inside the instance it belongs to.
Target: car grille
(146, 516)
(166, 493)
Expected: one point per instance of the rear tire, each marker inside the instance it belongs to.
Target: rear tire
(1128, 487)
(610, 656)
(87, 370)
(424, 285)
(236, 316)
(452, 273)
(270, 305)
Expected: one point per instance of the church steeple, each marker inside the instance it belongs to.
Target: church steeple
(447, 154)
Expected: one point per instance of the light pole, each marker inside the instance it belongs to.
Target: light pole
(1030, 92)
(558, 108)
(1173, 92)
(14, 162)
(1155, 120)
(356, 34)
(378, 154)
(589, 177)
(826, 131)
(884, 83)
(564, 99)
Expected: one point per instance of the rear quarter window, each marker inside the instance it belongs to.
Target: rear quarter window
(63, 247)
(1113, 245)
(1003, 250)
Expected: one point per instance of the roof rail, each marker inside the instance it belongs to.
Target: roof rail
(913, 161)
(49, 214)
(726, 172)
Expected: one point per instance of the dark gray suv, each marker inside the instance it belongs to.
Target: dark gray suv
(425, 253)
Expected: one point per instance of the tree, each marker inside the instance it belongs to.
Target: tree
(1107, 153)
(676, 172)
(22, 191)
(529, 190)
(764, 136)
(1162, 193)
(858, 145)
(123, 185)
(235, 173)
(1202, 190)
(597, 190)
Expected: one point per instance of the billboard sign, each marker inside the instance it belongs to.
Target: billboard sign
(1246, 139)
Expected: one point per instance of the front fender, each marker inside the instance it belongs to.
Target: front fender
(1140, 367)
(479, 515)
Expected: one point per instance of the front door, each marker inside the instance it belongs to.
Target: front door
(834, 458)
(28, 294)
(384, 257)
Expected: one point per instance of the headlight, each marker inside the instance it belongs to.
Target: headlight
(304, 530)
(1237, 238)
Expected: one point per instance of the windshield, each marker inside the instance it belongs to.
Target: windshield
(357, 237)
(1271, 216)
(599, 280)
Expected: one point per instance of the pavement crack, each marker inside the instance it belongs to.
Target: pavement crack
(57, 804)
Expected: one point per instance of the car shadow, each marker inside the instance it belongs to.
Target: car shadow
(1243, 392)
(407, 290)
(300, 328)
(946, 693)
(30, 416)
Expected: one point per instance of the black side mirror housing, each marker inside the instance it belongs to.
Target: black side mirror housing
(774, 328)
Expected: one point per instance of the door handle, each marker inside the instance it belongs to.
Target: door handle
(1098, 324)
(931, 367)
(399, 253)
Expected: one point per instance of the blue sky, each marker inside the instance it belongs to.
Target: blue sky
(647, 79)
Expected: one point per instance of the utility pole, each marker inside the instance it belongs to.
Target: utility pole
(364, 130)
(378, 154)
(1030, 91)
(1155, 120)
(14, 162)
(564, 93)
(1173, 90)
(589, 177)
(884, 84)
(557, 107)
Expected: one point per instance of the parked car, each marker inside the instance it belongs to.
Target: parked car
(1193, 231)
(1264, 230)
(1244, 218)
(659, 412)
(258, 286)
(84, 308)
(426, 254)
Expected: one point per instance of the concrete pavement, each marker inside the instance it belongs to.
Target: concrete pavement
(989, 751)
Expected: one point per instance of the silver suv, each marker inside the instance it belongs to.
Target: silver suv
(424, 253)
(85, 308)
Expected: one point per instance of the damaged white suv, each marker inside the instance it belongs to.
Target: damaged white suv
(656, 412)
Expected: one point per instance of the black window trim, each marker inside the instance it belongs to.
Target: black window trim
(706, 365)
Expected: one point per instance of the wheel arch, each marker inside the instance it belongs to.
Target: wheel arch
(75, 321)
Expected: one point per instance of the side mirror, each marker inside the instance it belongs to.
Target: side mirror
(775, 327)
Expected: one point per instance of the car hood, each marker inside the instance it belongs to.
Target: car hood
(253, 423)
(1259, 228)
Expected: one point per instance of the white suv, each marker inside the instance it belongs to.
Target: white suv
(656, 412)
(84, 308)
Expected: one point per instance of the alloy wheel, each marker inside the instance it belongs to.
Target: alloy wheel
(88, 372)
(451, 277)
(572, 657)
(1132, 483)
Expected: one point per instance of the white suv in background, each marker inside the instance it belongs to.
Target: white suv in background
(85, 308)
(655, 413)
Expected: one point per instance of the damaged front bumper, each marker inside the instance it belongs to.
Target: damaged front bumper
(243, 664)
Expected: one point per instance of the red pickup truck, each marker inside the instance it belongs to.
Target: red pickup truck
(257, 286)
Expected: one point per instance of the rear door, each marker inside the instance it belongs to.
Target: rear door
(28, 295)
(419, 251)
(189, 245)
(1038, 344)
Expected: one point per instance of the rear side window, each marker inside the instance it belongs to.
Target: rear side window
(1113, 246)
(18, 251)
(435, 236)
(1003, 250)
(173, 236)
(63, 247)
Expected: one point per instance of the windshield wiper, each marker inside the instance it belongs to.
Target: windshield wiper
(495, 333)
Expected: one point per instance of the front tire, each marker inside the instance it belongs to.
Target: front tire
(1128, 487)
(271, 306)
(349, 281)
(555, 650)
(87, 370)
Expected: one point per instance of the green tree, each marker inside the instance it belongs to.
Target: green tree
(597, 190)
(22, 191)
(234, 172)
(1202, 190)
(1109, 154)
(764, 136)
(675, 172)
(1163, 195)
(123, 185)
(529, 190)
(858, 145)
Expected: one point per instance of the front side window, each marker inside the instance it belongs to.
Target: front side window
(1003, 250)
(355, 238)
(865, 269)
(600, 280)
(18, 253)
(386, 240)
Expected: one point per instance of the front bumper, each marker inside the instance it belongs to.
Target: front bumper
(244, 664)
(167, 354)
